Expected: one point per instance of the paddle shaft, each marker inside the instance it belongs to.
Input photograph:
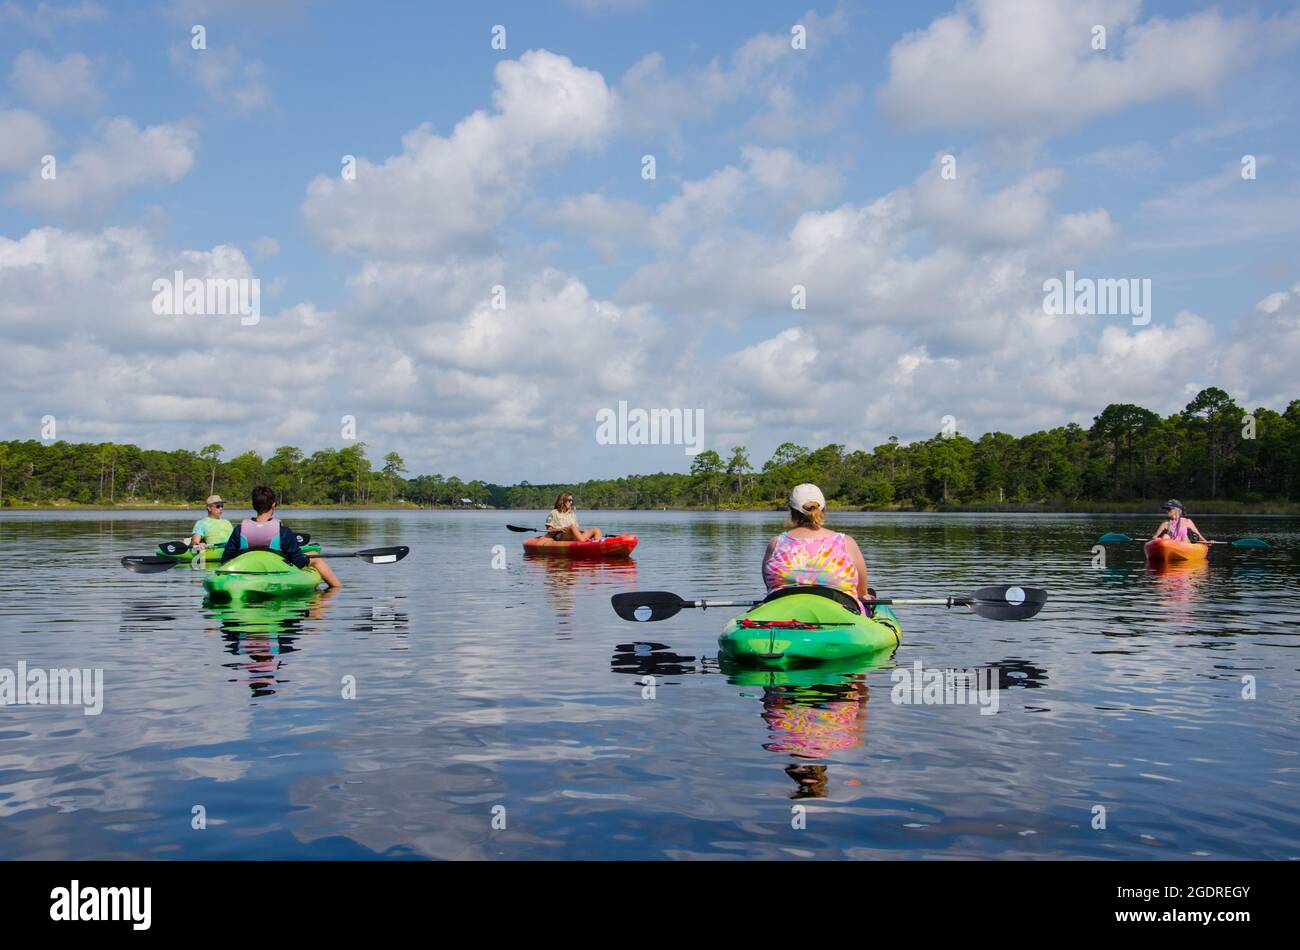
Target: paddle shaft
(883, 601)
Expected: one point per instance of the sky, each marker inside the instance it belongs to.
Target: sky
(462, 257)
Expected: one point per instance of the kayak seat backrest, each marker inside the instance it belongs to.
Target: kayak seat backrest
(841, 598)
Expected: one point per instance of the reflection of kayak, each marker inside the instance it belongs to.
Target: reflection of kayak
(618, 546)
(269, 619)
(826, 674)
(1162, 549)
(214, 552)
(801, 628)
(259, 574)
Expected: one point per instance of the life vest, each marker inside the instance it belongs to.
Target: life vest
(263, 535)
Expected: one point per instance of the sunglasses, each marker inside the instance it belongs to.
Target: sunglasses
(222, 505)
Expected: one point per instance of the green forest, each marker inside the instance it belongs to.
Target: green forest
(1212, 450)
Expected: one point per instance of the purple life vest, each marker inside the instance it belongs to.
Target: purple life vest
(259, 534)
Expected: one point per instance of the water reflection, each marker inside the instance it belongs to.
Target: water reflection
(261, 635)
(567, 578)
(646, 658)
(1179, 584)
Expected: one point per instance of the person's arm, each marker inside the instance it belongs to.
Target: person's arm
(291, 550)
(767, 556)
(196, 534)
(231, 549)
(1160, 530)
(855, 553)
(1191, 526)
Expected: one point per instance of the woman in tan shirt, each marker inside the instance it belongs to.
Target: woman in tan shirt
(562, 522)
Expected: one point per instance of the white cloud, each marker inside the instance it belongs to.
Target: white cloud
(859, 263)
(448, 194)
(1029, 65)
(46, 19)
(24, 138)
(658, 101)
(774, 182)
(1221, 208)
(417, 350)
(225, 77)
(953, 207)
(122, 157)
(68, 83)
(265, 247)
(604, 223)
(1259, 363)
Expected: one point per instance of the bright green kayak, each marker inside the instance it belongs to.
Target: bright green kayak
(801, 629)
(214, 553)
(257, 575)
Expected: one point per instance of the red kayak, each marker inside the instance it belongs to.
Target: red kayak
(618, 546)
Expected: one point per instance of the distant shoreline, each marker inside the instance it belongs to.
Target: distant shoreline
(1152, 508)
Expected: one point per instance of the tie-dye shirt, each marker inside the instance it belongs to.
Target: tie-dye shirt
(820, 562)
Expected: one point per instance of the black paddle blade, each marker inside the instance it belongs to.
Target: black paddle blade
(303, 538)
(647, 605)
(515, 527)
(384, 555)
(174, 547)
(1008, 603)
(148, 565)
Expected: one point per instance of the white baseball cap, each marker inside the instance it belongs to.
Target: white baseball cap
(806, 495)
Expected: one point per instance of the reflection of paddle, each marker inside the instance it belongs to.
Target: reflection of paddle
(1118, 538)
(995, 603)
(178, 548)
(156, 565)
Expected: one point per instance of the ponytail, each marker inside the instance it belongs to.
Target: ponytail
(813, 516)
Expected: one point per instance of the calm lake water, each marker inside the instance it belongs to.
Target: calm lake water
(477, 688)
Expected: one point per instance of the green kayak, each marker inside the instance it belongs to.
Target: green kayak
(792, 629)
(258, 575)
(214, 553)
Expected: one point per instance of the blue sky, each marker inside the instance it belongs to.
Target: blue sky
(522, 167)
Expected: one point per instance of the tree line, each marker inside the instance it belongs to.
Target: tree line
(1212, 449)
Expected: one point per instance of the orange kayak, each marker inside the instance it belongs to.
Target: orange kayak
(1162, 549)
(620, 545)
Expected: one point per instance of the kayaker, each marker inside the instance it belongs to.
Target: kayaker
(811, 555)
(265, 531)
(562, 522)
(1178, 527)
(213, 528)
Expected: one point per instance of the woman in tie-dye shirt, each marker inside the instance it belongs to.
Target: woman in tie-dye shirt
(810, 554)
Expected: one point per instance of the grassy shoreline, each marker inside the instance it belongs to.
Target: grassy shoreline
(1149, 507)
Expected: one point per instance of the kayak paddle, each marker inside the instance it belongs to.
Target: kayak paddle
(151, 564)
(155, 565)
(1117, 538)
(372, 555)
(515, 527)
(180, 547)
(995, 603)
